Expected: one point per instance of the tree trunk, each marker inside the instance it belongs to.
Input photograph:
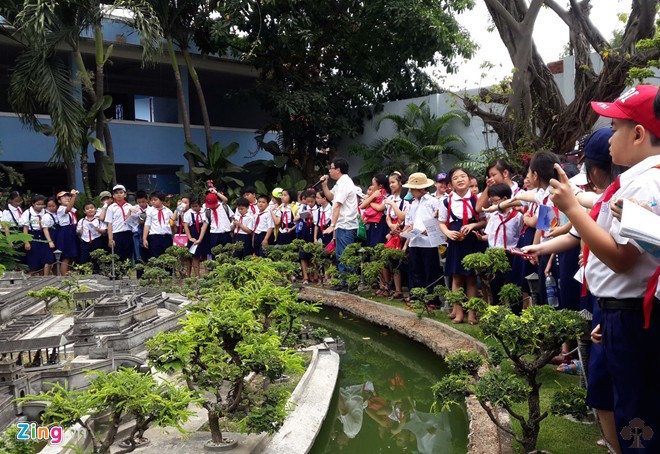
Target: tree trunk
(84, 168)
(70, 168)
(109, 148)
(100, 115)
(214, 426)
(183, 109)
(531, 428)
(202, 100)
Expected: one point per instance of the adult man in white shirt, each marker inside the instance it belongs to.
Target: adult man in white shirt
(344, 207)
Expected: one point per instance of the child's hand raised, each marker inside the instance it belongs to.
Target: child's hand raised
(562, 192)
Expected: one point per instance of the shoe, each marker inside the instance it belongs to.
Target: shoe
(305, 282)
(338, 288)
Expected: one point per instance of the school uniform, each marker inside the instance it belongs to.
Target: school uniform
(305, 231)
(455, 212)
(54, 229)
(631, 337)
(542, 198)
(196, 221)
(140, 253)
(503, 232)
(12, 216)
(67, 240)
(377, 231)
(90, 237)
(40, 253)
(322, 220)
(286, 232)
(160, 232)
(241, 236)
(424, 260)
(219, 231)
(521, 268)
(119, 217)
(262, 222)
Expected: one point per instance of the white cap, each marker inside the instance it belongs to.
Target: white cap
(119, 187)
(581, 178)
(359, 193)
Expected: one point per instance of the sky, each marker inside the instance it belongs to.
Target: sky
(550, 36)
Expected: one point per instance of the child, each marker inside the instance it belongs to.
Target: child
(283, 218)
(67, 240)
(243, 227)
(440, 186)
(374, 208)
(90, 231)
(498, 171)
(619, 271)
(424, 261)
(305, 218)
(502, 231)
(322, 219)
(51, 210)
(395, 215)
(219, 216)
(196, 226)
(117, 218)
(36, 223)
(250, 194)
(263, 226)
(11, 217)
(458, 219)
(137, 226)
(474, 186)
(157, 235)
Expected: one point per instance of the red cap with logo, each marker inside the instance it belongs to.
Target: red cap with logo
(636, 104)
(211, 201)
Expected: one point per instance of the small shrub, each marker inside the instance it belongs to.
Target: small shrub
(511, 295)
(464, 362)
(570, 400)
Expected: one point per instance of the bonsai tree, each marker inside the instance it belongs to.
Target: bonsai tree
(49, 295)
(511, 295)
(181, 254)
(104, 264)
(10, 444)
(76, 273)
(119, 393)
(529, 341)
(158, 271)
(222, 340)
(487, 265)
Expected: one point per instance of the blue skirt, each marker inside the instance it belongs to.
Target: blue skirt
(520, 268)
(569, 288)
(67, 241)
(377, 232)
(457, 250)
(40, 254)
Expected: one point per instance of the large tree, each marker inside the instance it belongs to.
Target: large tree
(323, 65)
(529, 112)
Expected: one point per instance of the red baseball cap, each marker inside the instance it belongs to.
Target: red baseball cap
(636, 104)
(211, 201)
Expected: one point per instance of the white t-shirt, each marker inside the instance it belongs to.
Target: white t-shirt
(323, 216)
(65, 218)
(36, 221)
(263, 221)
(119, 217)
(397, 200)
(89, 229)
(159, 221)
(223, 223)
(12, 216)
(501, 226)
(457, 208)
(286, 218)
(247, 220)
(345, 193)
(424, 209)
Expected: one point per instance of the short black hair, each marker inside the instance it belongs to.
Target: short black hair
(158, 195)
(501, 165)
(140, 194)
(309, 193)
(501, 190)
(86, 204)
(293, 194)
(37, 198)
(263, 196)
(381, 179)
(242, 202)
(456, 169)
(195, 201)
(248, 190)
(543, 163)
(341, 164)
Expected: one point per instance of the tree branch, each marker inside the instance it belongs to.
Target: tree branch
(593, 35)
(561, 12)
(532, 14)
(497, 422)
(506, 15)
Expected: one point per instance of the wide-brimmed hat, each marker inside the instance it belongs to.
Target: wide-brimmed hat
(105, 194)
(211, 201)
(418, 181)
(62, 194)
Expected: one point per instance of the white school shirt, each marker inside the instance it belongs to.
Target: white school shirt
(36, 221)
(134, 220)
(323, 216)
(224, 223)
(248, 221)
(12, 216)
(190, 216)
(345, 192)
(640, 182)
(457, 208)
(514, 188)
(64, 218)
(265, 222)
(87, 228)
(158, 221)
(281, 213)
(119, 217)
(424, 209)
(497, 228)
(542, 197)
(397, 200)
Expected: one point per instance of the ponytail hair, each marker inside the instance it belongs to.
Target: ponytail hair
(543, 163)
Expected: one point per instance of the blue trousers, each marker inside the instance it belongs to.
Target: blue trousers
(342, 239)
(632, 356)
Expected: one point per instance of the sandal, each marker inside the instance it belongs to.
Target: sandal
(572, 368)
(396, 296)
(305, 282)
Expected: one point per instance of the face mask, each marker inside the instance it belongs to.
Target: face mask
(408, 197)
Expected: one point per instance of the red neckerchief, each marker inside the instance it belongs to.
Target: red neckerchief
(322, 217)
(240, 221)
(197, 221)
(215, 216)
(89, 228)
(529, 209)
(285, 217)
(121, 207)
(72, 218)
(466, 204)
(20, 212)
(595, 210)
(253, 208)
(512, 214)
(256, 223)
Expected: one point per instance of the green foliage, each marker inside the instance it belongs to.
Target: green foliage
(10, 255)
(49, 294)
(476, 304)
(450, 391)
(104, 261)
(511, 295)
(216, 166)
(269, 416)
(455, 297)
(319, 333)
(10, 445)
(570, 400)
(649, 46)
(463, 361)
(487, 264)
(418, 146)
(495, 355)
(501, 389)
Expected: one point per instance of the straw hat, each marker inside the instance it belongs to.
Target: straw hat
(418, 181)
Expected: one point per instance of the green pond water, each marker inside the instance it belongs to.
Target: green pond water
(382, 400)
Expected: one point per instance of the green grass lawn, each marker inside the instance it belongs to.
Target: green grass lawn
(558, 435)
